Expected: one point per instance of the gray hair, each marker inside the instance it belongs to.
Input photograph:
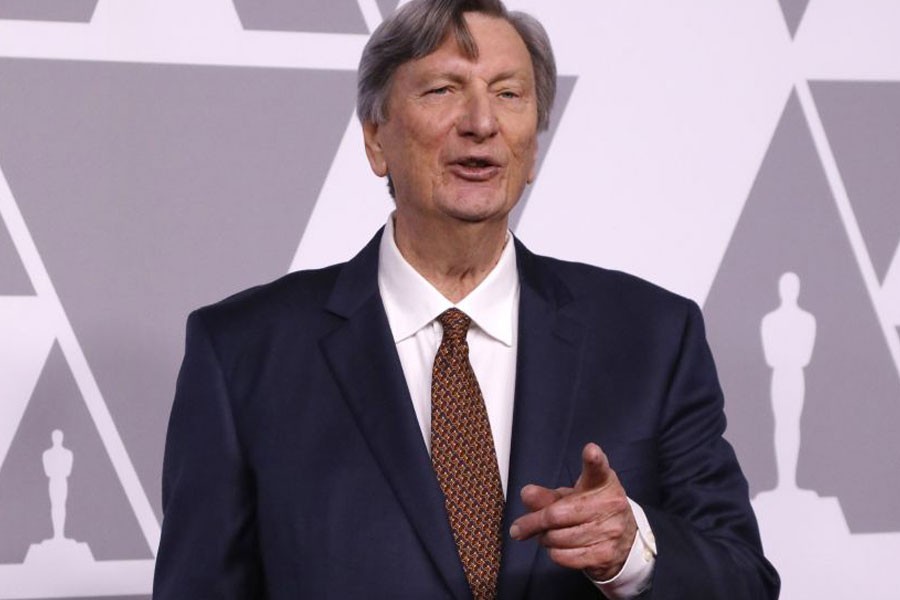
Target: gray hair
(419, 27)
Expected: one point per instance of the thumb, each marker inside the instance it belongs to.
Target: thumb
(595, 469)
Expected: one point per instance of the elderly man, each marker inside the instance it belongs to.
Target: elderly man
(448, 415)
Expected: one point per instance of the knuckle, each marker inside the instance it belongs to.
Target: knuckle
(603, 552)
(585, 506)
(556, 515)
(550, 539)
(556, 555)
(566, 557)
(619, 504)
(617, 529)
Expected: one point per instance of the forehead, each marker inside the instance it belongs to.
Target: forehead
(500, 48)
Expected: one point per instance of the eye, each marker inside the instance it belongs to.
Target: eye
(508, 94)
(439, 91)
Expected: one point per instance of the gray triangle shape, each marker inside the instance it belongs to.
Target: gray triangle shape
(862, 121)
(14, 279)
(312, 16)
(173, 186)
(70, 11)
(565, 85)
(850, 414)
(793, 13)
(387, 7)
(99, 513)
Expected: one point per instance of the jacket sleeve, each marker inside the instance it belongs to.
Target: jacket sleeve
(209, 546)
(706, 533)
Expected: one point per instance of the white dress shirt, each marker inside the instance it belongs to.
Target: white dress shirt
(412, 305)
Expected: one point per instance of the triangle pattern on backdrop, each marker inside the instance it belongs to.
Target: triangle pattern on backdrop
(862, 121)
(565, 85)
(98, 511)
(70, 11)
(157, 196)
(387, 7)
(14, 279)
(311, 16)
(793, 13)
(850, 414)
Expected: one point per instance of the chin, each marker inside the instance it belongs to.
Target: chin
(478, 208)
(473, 214)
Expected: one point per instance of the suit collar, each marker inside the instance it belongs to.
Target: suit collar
(363, 357)
(358, 280)
(547, 376)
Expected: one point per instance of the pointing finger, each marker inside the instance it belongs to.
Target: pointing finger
(595, 469)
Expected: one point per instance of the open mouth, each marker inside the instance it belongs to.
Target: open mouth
(475, 168)
(476, 163)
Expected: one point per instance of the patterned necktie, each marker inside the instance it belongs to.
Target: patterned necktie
(462, 452)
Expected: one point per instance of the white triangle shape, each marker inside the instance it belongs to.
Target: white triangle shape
(67, 578)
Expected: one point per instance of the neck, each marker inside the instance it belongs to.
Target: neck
(454, 258)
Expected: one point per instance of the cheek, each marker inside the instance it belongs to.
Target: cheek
(419, 144)
(526, 155)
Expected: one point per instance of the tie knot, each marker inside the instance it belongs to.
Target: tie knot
(455, 323)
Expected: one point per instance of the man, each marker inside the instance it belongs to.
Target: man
(448, 415)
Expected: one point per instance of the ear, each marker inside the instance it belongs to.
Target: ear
(374, 149)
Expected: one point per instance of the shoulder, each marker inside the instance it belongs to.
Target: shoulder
(592, 286)
(298, 290)
(295, 301)
(612, 304)
(302, 294)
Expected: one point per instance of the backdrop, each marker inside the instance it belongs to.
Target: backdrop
(156, 155)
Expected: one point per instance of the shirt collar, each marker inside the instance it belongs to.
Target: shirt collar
(411, 302)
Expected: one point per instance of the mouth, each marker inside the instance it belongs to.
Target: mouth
(475, 168)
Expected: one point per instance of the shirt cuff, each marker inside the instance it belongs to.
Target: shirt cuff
(636, 573)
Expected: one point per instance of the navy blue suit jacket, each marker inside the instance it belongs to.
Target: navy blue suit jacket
(295, 467)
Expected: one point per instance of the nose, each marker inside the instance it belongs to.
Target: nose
(478, 120)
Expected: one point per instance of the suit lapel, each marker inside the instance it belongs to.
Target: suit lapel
(363, 357)
(549, 358)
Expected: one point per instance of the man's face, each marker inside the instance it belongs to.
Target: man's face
(461, 135)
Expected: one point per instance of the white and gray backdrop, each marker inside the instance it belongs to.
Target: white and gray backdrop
(156, 155)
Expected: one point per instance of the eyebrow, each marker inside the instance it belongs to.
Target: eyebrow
(456, 77)
(511, 74)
